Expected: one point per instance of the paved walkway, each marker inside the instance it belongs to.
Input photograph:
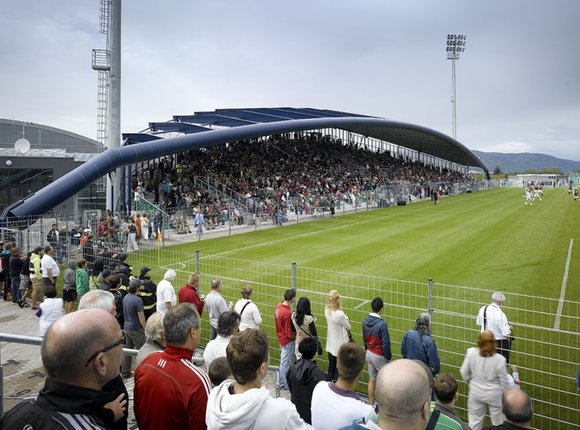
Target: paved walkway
(23, 375)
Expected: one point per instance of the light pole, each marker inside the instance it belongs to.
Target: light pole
(455, 46)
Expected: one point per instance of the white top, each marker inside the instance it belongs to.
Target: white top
(253, 409)
(251, 317)
(47, 262)
(52, 309)
(215, 305)
(214, 349)
(337, 323)
(165, 293)
(497, 322)
(334, 408)
(486, 376)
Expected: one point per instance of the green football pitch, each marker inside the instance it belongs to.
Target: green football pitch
(482, 241)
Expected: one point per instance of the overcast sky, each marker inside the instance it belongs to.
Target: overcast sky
(518, 81)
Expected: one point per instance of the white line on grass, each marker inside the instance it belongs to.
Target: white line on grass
(563, 290)
(364, 302)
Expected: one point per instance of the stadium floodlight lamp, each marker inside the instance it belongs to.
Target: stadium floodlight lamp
(455, 45)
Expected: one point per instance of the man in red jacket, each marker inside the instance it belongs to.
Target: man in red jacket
(170, 391)
(286, 335)
(189, 293)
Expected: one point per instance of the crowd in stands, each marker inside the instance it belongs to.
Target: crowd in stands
(174, 388)
(299, 172)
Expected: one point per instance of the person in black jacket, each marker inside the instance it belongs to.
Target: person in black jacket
(81, 352)
(303, 376)
(14, 268)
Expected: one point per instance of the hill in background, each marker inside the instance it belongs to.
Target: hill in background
(522, 162)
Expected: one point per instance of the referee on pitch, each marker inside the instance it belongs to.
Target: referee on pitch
(492, 318)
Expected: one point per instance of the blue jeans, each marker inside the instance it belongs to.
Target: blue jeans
(286, 360)
(15, 288)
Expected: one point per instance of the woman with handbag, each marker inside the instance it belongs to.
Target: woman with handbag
(338, 331)
(304, 324)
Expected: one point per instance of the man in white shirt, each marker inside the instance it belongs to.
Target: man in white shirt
(492, 318)
(49, 268)
(228, 326)
(336, 404)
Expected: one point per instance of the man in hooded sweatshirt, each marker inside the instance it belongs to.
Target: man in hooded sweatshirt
(377, 344)
(243, 403)
(303, 376)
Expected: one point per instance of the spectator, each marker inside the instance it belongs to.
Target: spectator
(285, 334)
(244, 403)
(228, 326)
(303, 376)
(69, 287)
(15, 263)
(518, 410)
(50, 269)
(219, 370)
(250, 316)
(36, 275)
(107, 277)
(81, 352)
(96, 274)
(338, 329)
(154, 337)
(215, 305)
(485, 372)
(377, 343)
(189, 293)
(114, 413)
(170, 392)
(82, 278)
(445, 387)
(166, 298)
(419, 345)
(49, 310)
(403, 397)
(492, 318)
(336, 404)
(304, 324)
(148, 292)
(131, 236)
(25, 282)
(134, 324)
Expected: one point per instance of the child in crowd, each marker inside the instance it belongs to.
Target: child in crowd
(51, 309)
(219, 370)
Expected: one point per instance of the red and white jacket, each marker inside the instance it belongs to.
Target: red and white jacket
(170, 391)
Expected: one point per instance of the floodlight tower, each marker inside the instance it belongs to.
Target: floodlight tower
(455, 46)
(108, 64)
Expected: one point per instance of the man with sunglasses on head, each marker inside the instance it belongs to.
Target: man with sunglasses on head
(81, 352)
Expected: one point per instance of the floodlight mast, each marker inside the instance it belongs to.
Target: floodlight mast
(455, 46)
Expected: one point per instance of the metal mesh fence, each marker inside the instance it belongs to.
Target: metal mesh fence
(547, 357)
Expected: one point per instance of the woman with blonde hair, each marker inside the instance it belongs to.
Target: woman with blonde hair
(485, 372)
(338, 329)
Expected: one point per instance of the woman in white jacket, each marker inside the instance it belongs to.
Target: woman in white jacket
(338, 329)
(485, 372)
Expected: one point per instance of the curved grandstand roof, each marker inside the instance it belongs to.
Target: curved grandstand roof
(417, 138)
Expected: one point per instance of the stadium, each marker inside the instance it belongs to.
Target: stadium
(303, 198)
(390, 239)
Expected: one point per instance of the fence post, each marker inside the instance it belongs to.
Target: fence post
(430, 299)
(293, 281)
(197, 262)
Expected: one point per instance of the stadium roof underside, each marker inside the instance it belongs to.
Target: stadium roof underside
(411, 136)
